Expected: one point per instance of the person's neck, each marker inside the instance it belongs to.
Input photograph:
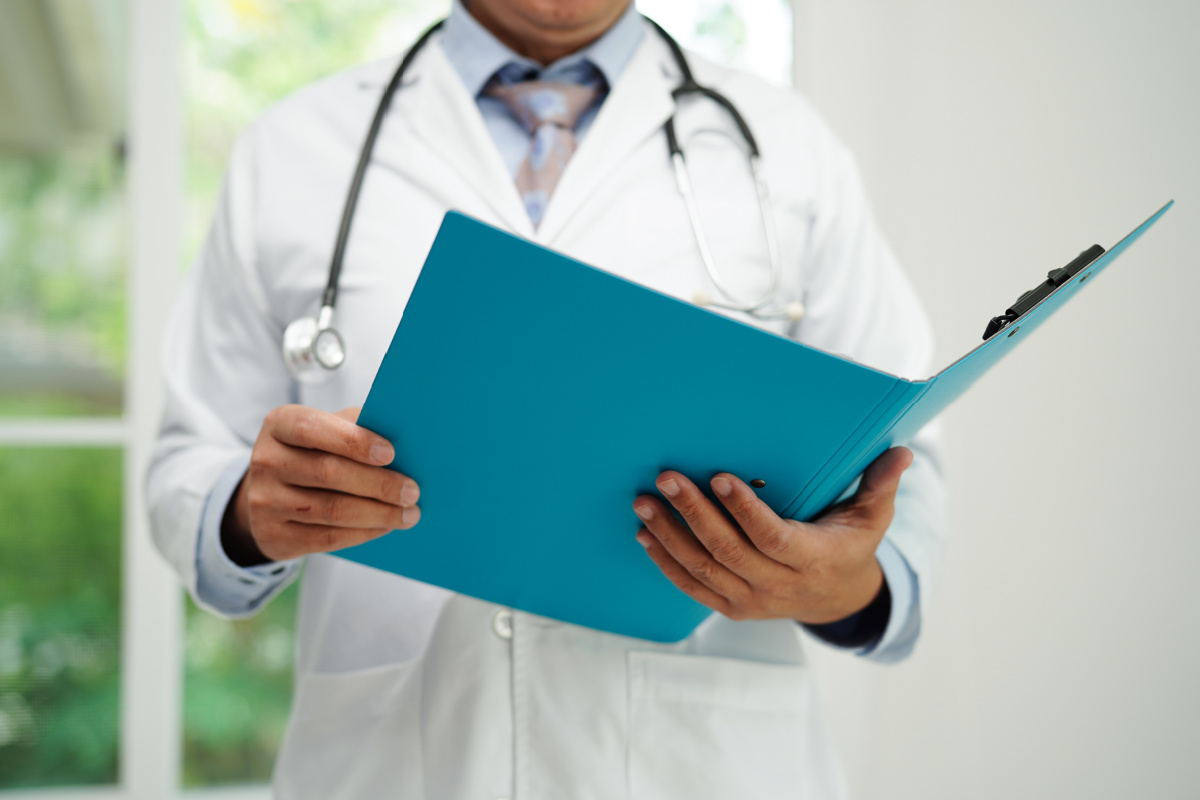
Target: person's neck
(536, 39)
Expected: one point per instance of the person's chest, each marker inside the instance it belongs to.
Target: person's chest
(622, 214)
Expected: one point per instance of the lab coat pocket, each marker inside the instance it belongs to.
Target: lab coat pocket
(705, 727)
(353, 735)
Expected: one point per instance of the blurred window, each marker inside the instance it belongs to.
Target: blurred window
(62, 208)
(751, 35)
(63, 249)
(60, 611)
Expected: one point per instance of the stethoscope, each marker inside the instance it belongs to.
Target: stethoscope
(312, 347)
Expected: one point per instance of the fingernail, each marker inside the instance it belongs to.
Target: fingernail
(644, 540)
(409, 494)
(669, 487)
(382, 453)
(410, 516)
(722, 486)
(645, 512)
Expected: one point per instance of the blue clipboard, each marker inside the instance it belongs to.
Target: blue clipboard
(517, 394)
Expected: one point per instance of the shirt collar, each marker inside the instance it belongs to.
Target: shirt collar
(476, 54)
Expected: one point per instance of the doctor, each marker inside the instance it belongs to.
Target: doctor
(544, 117)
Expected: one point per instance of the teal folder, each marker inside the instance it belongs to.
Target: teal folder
(525, 393)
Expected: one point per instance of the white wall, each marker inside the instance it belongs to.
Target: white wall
(999, 139)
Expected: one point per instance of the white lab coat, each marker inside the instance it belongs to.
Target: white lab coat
(404, 690)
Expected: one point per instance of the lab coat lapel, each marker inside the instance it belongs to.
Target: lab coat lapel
(447, 119)
(634, 110)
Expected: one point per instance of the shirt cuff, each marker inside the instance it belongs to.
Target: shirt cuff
(222, 585)
(904, 625)
(891, 639)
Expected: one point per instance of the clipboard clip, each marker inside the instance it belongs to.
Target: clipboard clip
(1054, 279)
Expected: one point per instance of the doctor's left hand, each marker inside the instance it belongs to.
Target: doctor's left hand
(747, 562)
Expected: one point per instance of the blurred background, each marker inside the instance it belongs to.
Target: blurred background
(997, 141)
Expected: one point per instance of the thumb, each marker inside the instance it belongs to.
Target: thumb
(881, 480)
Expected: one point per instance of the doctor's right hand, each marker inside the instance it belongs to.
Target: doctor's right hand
(317, 482)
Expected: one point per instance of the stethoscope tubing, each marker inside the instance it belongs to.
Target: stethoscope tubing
(329, 298)
(323, 324)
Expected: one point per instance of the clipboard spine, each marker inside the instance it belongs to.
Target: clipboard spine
(860, 449)
(884, 410)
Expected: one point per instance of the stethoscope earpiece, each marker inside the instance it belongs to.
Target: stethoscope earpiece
(312, 349)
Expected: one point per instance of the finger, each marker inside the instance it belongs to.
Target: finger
(765, 529)
(681, 577)
(685, 548)
(295, 539)
(336, 509)
(321, 470)
(720, 537)
(310, 428)
(349, 414)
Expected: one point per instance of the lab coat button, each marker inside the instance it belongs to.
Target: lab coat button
(502, 624)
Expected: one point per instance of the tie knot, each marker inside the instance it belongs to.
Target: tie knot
(538, 103)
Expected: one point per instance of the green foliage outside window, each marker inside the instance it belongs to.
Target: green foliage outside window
(60, 611)
(238, 687)
(62, 282)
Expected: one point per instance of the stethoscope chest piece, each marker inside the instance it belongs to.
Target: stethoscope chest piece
(312, 349)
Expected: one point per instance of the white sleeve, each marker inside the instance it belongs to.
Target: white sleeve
(223, 373)
(859, 303)
(221, 585)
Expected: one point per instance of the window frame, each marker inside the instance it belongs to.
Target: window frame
(151, 662)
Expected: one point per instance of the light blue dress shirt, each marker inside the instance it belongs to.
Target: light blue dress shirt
(476, 56)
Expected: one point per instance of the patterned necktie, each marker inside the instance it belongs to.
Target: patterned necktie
(549, 111)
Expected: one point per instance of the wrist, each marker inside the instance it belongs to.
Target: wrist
(236, 538)
(851, 596)
(864, 628)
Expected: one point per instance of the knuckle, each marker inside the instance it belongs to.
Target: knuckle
(257, 498)
(751, 511)
(309, 427)
(271, 533)
(328, 469)
(336, 510)
(353, 440)
(327, 539)
(396, 489)
(773, 543)
(389, 487)
(704, 570)
(730, 553)
(262, 458)
(687, 505)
